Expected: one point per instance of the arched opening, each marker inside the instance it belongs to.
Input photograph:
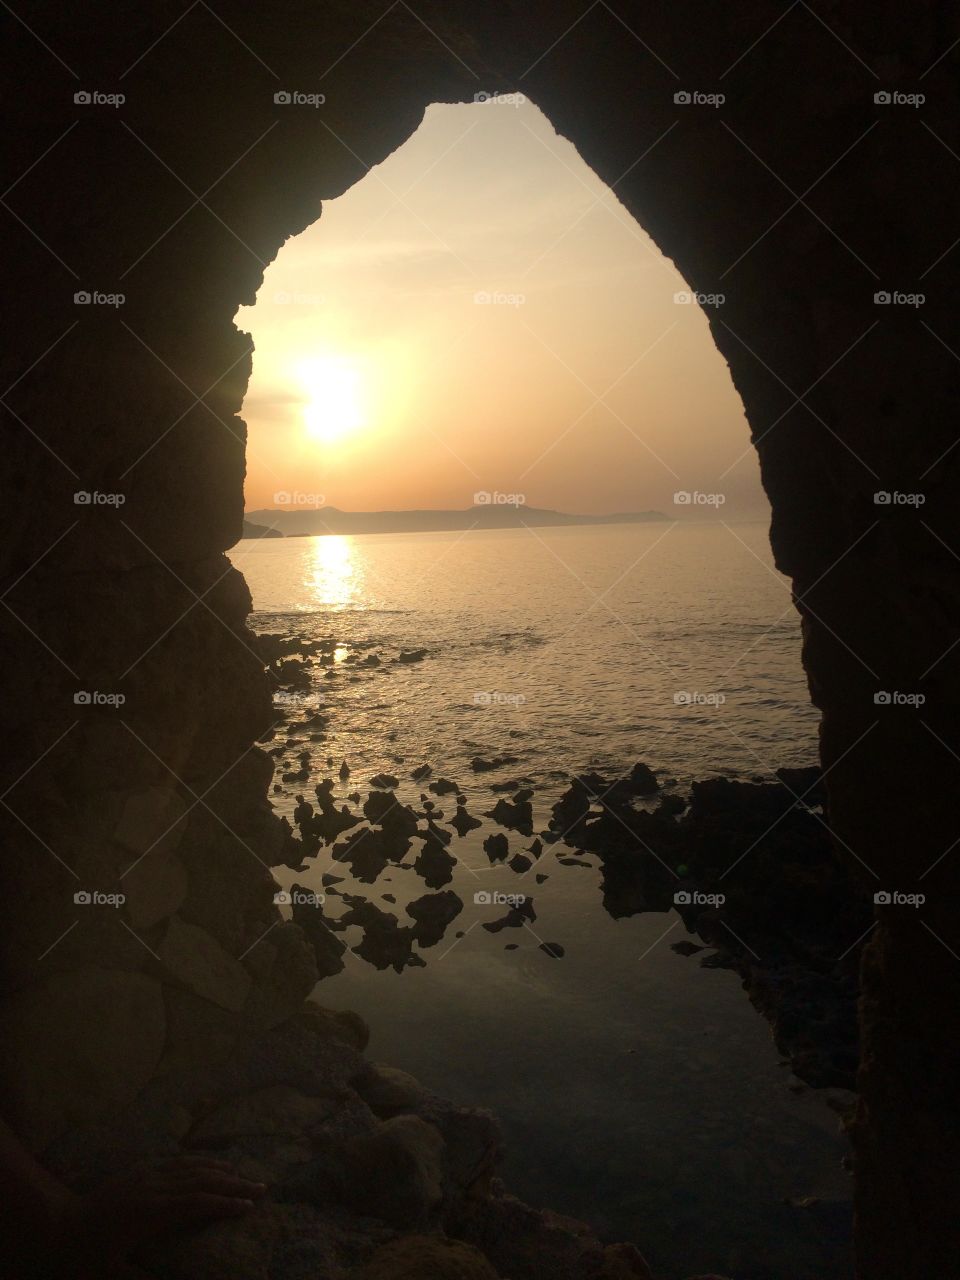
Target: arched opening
(818, 191)
(479, 317)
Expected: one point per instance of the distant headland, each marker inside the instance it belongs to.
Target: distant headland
(483, 515)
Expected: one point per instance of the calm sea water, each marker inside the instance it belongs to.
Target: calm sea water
(636, 1090)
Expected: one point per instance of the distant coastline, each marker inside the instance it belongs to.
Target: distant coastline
(320, 520)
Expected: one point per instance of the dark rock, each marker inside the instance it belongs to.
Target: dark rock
(496, 846)
(433, 913)
(479, 765)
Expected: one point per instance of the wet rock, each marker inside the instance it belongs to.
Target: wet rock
(303, 812)
(515, 917)
(516, 815)
(385, 943)
(462, 822)
(443, 787)
(386, 781)
(422, 771)
(479, 765)
(433, 913)
(310, 916)
(367, 853)
(685, 948)
(496, 846)
(344, 771)
(552, 949)
(643, 780)
(519, 863)
(412, 655)
(434, 865)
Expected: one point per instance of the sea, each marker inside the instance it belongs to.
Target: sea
(636, 1090)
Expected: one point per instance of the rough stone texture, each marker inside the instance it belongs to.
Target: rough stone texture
(798, 201)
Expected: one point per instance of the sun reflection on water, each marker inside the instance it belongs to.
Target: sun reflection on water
(333, 576)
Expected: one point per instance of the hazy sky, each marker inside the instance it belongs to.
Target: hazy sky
(381, 378)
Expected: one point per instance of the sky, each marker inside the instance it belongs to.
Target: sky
(480, 314)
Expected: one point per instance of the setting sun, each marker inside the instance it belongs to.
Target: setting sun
(335, 401)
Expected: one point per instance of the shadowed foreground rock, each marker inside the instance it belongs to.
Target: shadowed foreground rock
(368, 1173)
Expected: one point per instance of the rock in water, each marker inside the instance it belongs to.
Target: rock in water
(433, 913)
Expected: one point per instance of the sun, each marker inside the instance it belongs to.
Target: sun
(334, 393)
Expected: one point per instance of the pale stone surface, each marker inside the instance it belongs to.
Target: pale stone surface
(77, 1048)
(198, 961)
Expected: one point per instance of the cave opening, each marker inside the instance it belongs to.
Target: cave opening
(476, 336)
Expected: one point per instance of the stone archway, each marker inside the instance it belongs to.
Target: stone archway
(803, 195)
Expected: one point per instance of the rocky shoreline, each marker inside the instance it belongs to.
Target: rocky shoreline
(371, 1176)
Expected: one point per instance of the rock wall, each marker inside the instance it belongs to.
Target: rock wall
(799, 199)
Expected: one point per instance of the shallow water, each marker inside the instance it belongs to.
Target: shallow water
(636, 1089)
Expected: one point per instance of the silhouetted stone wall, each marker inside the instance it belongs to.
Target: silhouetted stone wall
(800, 198)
